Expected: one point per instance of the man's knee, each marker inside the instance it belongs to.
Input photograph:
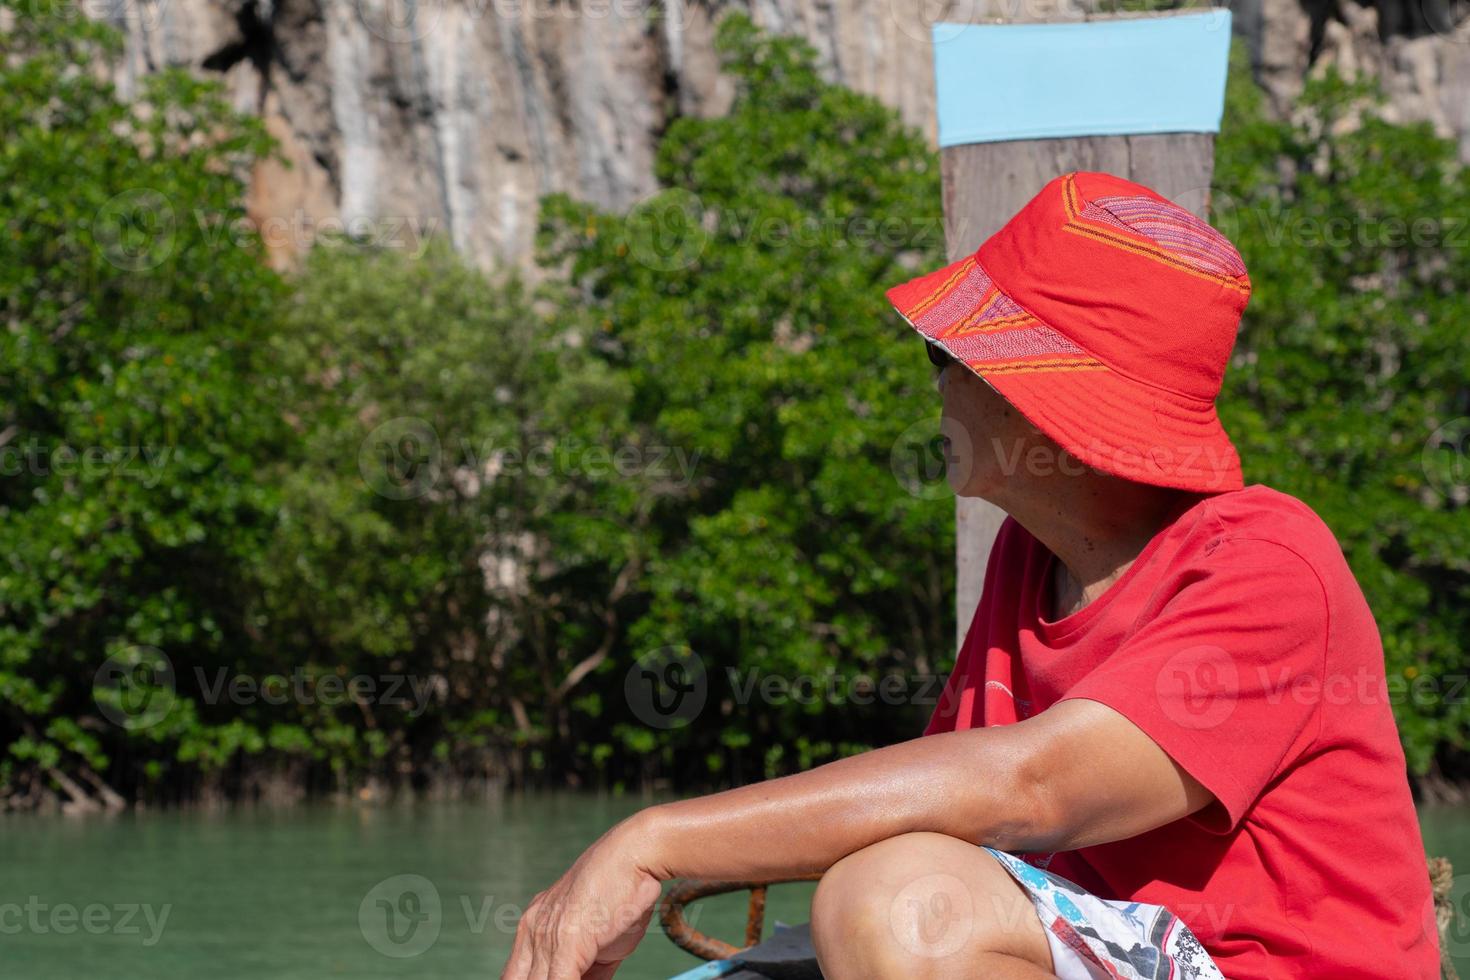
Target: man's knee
(921, 901)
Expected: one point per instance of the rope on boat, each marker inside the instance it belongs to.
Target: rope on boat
(1441, 881)
(689, 939)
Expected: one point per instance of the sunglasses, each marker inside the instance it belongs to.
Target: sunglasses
(938, 356)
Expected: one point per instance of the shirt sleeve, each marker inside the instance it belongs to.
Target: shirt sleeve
(1227, 678)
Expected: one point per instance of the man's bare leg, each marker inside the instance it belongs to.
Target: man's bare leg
(925, 906)
(998, 966)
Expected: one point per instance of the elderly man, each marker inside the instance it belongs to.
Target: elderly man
(1166, 749)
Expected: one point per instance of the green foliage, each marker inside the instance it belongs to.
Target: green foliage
(453, 513)
(245, 496)
(1349, 383)
(745, 304)
(129, 429)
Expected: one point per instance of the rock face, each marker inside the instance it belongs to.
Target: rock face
(405, 118)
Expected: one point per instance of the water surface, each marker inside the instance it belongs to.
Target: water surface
(421, 890)
(307, 893)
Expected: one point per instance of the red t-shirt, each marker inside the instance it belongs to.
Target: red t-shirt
(1240, 642)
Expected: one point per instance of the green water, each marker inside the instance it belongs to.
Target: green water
(278, 893)
(293, 894)
(1447, 834)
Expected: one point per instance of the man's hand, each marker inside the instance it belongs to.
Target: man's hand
(591, 919)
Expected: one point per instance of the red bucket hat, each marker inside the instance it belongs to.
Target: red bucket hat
(1105, 314)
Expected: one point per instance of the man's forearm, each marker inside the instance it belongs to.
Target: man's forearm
(974, 785)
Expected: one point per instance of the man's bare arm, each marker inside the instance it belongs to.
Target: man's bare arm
(1077, 774)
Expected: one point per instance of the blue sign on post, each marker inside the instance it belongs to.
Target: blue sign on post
(1087, 78)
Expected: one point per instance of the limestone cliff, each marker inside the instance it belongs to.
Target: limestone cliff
(408, 117)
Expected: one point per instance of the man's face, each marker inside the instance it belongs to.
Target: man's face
(988, 444)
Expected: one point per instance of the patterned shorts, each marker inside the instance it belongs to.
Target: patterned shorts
(1093, 937)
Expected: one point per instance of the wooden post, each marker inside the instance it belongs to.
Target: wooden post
(1076, 90)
